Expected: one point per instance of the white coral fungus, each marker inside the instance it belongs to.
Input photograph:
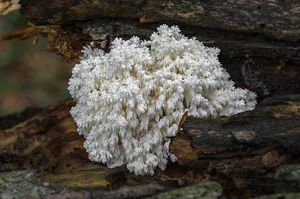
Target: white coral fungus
(130, 100)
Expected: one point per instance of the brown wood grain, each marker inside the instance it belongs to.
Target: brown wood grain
(242, 152)
(275, 19)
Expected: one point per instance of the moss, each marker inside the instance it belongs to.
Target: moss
(18, 184)
(205, 190)
(79, 179)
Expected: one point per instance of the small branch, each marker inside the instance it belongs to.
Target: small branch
(27, 32)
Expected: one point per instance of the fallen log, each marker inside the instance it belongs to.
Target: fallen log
(248, 147)
(251, 153)
(260, 64)
(259, 41)
(275, 19)
(247, 153)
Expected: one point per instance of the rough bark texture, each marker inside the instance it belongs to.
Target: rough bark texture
(248, 154)
(251, 153)
(263, 65)
(259, 41)
(276, 19)
(248, 147)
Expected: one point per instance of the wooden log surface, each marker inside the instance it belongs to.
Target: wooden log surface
(259, 41)
(262, 65)
(275, 19)
(249, 153)
(252, 144)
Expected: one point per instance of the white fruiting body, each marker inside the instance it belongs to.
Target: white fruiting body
(130, 100)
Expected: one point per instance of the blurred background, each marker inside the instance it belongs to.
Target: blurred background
(29, 75)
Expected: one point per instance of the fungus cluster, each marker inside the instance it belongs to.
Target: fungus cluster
(130, 100)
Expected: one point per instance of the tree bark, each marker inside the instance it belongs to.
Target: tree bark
(259, 41)
(247, 152)
(275, 19)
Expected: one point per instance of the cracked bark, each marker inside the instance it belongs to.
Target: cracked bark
(246, 152)
(259, 41)
(249, 154)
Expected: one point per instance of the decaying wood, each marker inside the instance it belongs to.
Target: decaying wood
(259, 41)
(247, 147)
(262, 65)
(276, 19)
(243, 152)
(249, 153)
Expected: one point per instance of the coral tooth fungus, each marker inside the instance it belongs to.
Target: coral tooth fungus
(130, 100)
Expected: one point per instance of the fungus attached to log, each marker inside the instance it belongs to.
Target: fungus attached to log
(130, 100)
